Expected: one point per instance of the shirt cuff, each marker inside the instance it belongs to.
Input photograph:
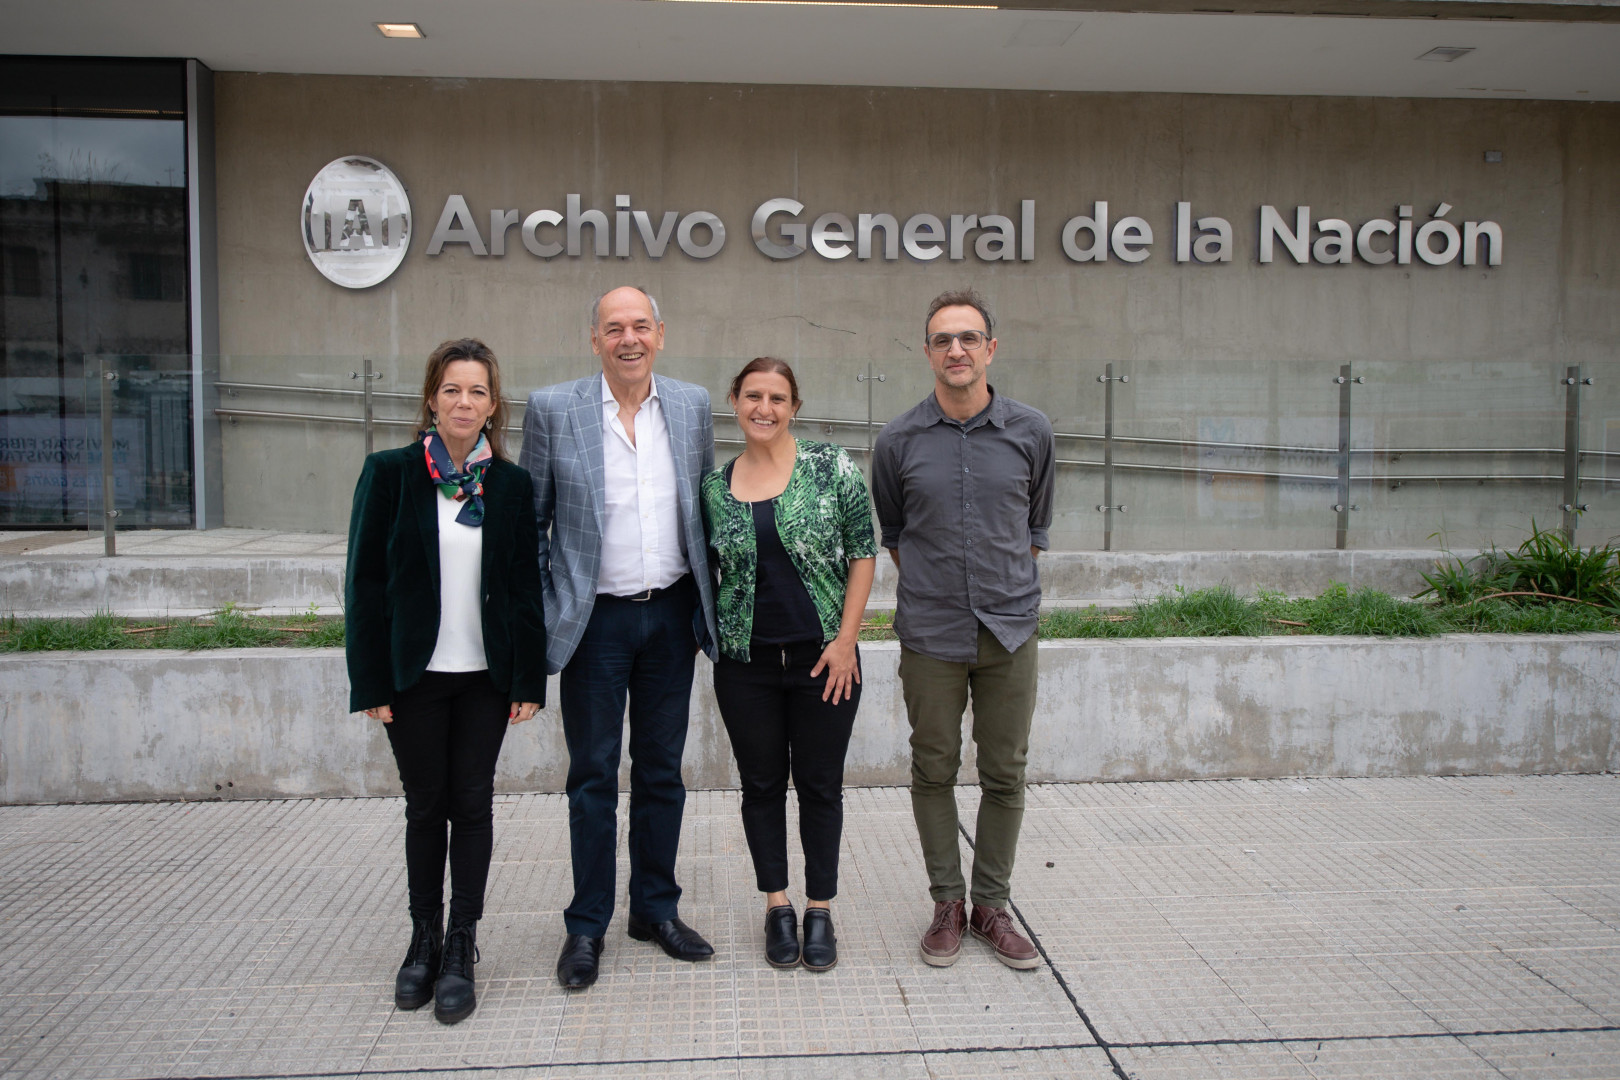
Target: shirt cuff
(1037, 538)
(891, 536)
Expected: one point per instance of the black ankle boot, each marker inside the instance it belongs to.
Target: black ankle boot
(782, 937)
(820, 943)
(453, 996)
(413, 986)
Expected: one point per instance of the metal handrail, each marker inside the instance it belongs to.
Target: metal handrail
(1129, 466)
(1137, 440)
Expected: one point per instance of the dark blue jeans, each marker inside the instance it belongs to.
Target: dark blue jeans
(644, 650)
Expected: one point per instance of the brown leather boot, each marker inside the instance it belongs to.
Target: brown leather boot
(942, 941)
(994, 926)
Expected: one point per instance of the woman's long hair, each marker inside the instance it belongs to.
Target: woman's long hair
(466, 349)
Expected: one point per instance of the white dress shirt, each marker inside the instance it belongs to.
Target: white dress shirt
(460, 646)
(641, 529)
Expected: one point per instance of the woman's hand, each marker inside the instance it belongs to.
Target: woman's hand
(842, 670)
(383, 713)
(523, 710)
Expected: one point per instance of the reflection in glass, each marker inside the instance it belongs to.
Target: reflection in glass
(92, 265)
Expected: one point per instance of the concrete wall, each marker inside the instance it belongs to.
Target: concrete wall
(271, 722)
(1238, 351)
(161, 586)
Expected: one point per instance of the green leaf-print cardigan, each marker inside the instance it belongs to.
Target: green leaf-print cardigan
(824, 518)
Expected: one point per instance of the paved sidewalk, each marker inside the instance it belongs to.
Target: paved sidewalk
(1314, 928)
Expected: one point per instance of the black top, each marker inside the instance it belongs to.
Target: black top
(783, 611)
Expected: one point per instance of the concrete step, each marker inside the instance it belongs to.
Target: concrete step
(189, 582)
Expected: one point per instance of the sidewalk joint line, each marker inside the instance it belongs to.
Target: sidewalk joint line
(1154, 1044)
(1063, 984)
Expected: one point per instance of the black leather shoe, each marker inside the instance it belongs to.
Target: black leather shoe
(580, 962)
(674, 937)
(781, 937)
(453, 996)
(413, 986)
(820, 943)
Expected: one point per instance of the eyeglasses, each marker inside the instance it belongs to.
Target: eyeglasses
(970, 339)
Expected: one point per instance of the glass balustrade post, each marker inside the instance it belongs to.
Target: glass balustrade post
(366, 375)
(1572, 506)
(1108, 506)
(869, 379)
(109, 497)
(1343, 507)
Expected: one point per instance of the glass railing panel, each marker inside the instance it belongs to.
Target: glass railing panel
(1212, 459)
(293, 437)
(1460, 454)
(150, 401)
(1599, 489)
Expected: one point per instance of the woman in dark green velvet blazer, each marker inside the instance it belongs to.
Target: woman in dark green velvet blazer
(446, 644)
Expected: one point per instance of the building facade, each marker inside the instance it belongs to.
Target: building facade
(1257, 320)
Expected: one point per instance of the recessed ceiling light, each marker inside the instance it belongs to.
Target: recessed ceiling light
(400, 30)
(1445, 54)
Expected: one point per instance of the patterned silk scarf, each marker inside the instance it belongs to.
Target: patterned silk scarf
(468, 485)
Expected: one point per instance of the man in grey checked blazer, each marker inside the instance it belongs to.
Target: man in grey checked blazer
(617, 458)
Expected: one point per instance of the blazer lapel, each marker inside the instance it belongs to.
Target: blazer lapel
(585, 415)
(678, 421)
(421, 492)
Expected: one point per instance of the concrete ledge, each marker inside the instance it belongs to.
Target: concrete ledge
(158, 586)
(163, 585)
(270, 723)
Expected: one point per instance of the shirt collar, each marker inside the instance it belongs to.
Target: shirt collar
(994, 413)
(609, 399)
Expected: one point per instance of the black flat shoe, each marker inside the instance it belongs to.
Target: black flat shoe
(413, 986)
(820, 943)
(580, 962)
(454, 997)
(781, 937)
(673, 936)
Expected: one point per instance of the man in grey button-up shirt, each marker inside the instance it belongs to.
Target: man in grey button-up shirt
(962, 483)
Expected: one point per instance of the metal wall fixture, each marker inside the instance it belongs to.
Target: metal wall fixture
(109, 492)
(1107, 507)
(1341, 480)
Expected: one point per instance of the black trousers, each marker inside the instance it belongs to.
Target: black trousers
(446, 735)
(779, 726)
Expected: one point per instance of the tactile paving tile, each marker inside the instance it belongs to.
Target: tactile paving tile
(1186, 870)
(980, 1002)
(1069, 1063)
(1108, 930)
(1591, 976)
(1323, 996)
(1221, 1061)
(235, 938)
(1394, 1059)
(1602, 903)
(1245, 927)
(1162, 1001)
(1482, 992)
(1558, 1056)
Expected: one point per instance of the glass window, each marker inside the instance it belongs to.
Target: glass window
(93, 256)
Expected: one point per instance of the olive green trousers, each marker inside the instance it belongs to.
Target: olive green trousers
(1002, 688)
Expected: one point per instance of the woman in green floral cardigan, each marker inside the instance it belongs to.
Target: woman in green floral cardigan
(790, 523)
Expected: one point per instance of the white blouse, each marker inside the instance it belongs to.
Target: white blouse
(461, 629)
